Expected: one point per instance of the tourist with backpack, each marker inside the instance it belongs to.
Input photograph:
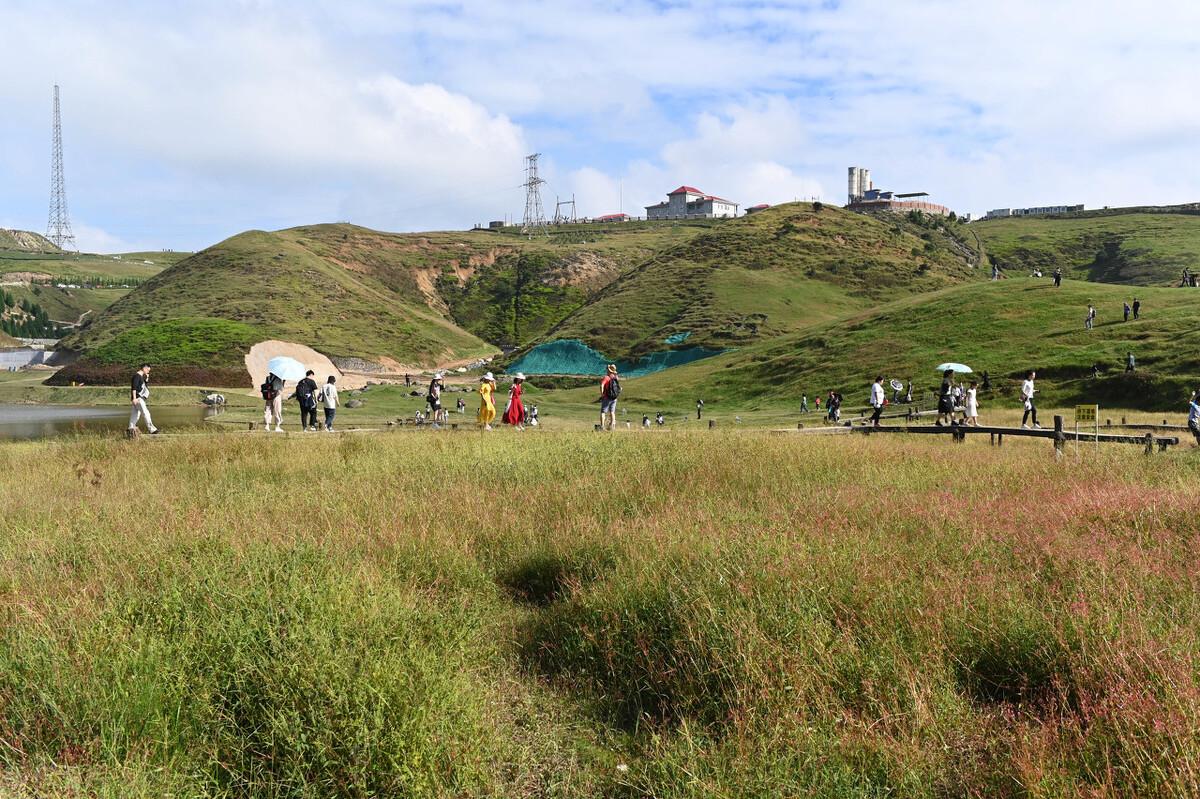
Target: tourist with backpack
(514, 414)
(610, 391)
(487, 402)
(329, 399)
(433, 399)
(272, 394)
(306, 398)
(139, 392)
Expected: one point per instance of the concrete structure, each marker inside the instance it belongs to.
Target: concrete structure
(858, 185)
(20, 357)
(1002, 213)
(687, 202)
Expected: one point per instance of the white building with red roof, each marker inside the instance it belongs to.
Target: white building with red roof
(688, 202)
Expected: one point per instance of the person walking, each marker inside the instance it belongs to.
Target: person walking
(659, 419)
(306, 398)
(972, 412)
(803, 403)
(1125, 310)
(1057, 277)
(699, 408)
(533, 416)
(1193, 420)
(139, 392)
(460, 405)
(329, 399)
(487, 403)
(433, 398)
(1130, 363)
(908, 391)
(610, 390)
(1027, 392)
(1137, 308)
(514, 414)
(946, 400)
(1090, 317)
(877, 400)
(272, 394)
(645, 421)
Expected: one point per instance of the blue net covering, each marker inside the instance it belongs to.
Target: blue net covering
(573, 357)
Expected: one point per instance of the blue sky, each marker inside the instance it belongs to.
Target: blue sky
(185, 123)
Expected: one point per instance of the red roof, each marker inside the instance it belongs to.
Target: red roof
(759, 207)
(611, 217)
(683, 189)
(718, 199)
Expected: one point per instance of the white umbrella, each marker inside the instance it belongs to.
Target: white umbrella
(955, 367)
(286, 368)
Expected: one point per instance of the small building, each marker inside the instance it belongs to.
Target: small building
(754, 209)
(495, 224)
(863, 196)
(687, 202)
(612, 218)
(1045, 210)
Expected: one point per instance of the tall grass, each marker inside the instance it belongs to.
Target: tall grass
(586, 615)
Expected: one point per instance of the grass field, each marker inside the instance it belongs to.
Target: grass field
(592, 615)
(69, 265)
(1134, 248)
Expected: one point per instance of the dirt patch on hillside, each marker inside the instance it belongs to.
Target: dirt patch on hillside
(260, 353)
(586, 270)
(23, 278)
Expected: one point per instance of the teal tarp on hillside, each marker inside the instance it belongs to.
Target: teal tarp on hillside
(573, 357)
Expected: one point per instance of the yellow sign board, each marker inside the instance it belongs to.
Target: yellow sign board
(1086, 413)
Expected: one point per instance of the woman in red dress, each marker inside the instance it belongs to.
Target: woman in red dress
(514, 414)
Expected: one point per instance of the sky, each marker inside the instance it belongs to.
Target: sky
(185, 123)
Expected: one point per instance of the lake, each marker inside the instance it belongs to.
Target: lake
(25, 422)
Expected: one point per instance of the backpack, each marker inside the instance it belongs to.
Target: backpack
(613, 390)
(268, 391)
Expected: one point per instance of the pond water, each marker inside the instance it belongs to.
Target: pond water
(25, 422)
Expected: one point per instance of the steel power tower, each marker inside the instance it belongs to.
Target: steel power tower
(535, 217)
(59, 228)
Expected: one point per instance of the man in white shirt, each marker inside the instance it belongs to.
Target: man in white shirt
(329, 398)
(1027, 391)
(877, 400)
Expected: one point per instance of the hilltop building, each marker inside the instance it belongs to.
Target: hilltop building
(1001, 213)
(612, 218)
(863, 196)
(754, 209)
(688, 202)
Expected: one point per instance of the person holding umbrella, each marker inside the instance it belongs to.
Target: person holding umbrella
(487, 404)
(946, 399)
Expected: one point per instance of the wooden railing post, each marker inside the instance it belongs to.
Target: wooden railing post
(1059, 438)
(1149, 443)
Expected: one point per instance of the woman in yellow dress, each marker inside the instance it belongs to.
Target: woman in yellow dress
(487, 405)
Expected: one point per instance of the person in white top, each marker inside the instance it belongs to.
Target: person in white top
(329, 399)
(877, 400)
(1027, 391)
(972, 413)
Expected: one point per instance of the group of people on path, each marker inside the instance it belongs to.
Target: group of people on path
(307, 395)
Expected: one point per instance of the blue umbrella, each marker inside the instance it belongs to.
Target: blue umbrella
(286, 368)
(955, 367)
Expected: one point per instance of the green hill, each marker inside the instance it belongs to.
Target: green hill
(762, 276)
(1138, 248)
(25, 241)
(1005, 328)
(395, 299)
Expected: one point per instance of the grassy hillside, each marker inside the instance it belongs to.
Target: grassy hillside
(1134, 248)
(128, 269)
(1004, 327)
(25, 241)
(800, 617)
(760, 276)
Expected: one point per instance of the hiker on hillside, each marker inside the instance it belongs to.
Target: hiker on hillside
(433, 398)
(946, 399)
(1130, 363)
(1193, 421)
(1027, 392)
(699, 408)
(487, 404)
(272, 394)
(645, 421)
(1137, 308)
(306, 397)
(987, 381)
(817, 402)
(533, 416)
(1090, 318)
(139, 392)
(514, 414)
(877, 400)
(803, 403)
(834, 404)
(1057, 277)
(971, 414)
(460, 405)
(908, 391)
(1125, 310)
(659, 419)
(610, 390)
(329, 399)
(1095, 371)
(1186, 280)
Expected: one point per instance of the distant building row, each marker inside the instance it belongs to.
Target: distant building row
(1001, 213)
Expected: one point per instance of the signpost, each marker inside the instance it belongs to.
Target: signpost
(1087, 413)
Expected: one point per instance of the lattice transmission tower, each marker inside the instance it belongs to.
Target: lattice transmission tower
(59, 228)
(535, 217)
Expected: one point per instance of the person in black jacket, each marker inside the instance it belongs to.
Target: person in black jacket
(306, 395)
(139, 392)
